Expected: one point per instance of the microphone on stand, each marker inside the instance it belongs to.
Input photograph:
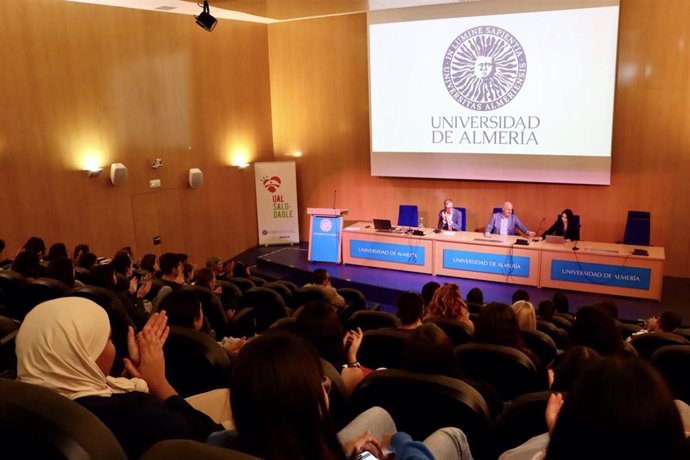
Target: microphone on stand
(334, 192)
(536, 234)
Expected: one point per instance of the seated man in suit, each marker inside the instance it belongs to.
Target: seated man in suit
(449, 218)
(505, 222)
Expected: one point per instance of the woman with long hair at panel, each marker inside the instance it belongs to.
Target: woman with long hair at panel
(564, 226)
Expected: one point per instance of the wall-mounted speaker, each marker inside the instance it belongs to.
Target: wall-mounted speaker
(196, 178)
(118, 173)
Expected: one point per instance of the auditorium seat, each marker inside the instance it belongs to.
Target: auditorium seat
(354, 301)
(562, 322)
(306, 295)
(521, 420)
(194, 362)
(628, 329)
(183, 449)
(268, 307)
(368, 320)
(42, 289)
(557, 334)
(289, 323)
(673, 362)
(383, 348)
(82, 274)
(243, 283)
(637, 228)
(38, 423)
(408, 215)
(541, 345)
(258, 280)
(12, 285)
(8, 359)
(647, 344)
(290, 285)
(338, 397)
(421, 403)
(231, 297)
(509, 370)
(243, 324)
(284, 292)
(458, 332)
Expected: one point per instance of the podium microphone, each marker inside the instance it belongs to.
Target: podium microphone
(334, 192)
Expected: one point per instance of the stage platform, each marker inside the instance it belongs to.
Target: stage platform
(381, 286)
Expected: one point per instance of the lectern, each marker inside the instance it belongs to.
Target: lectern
(325, 234)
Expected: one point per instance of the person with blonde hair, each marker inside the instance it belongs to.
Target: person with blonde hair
(447, 303)
(526, 315)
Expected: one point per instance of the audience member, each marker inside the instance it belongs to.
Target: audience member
(667, 321)
(318, 322)
(447, 303)
(57, 250)
(428, 350)
(149, 262)
(215, 265)
(322, 282)
(594, 327)
(620, 408)
(27, 264)
(137, 309)
(520, 294)
(62, 269)
(525, 314)
(275, 427)
(87, 260)
(475, 300)
(239, 269)
(188, 273)
(78, 251)
(610, 306)
(562, 303)
(498, 325)
(64, 345)
(35, 245)
(410, 310)
(428, 291)
(547, 309)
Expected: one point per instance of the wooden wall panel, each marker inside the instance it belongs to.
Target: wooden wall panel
(129, 86)
(320, 107)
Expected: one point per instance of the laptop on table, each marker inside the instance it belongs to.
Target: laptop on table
(555, 239)
(383, 225)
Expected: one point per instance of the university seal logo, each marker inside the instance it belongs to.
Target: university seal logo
(326, 225)
(484, 68)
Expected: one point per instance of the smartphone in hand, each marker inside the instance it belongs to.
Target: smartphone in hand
(366, 455)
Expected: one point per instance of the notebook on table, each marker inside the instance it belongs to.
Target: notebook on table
(383, 225)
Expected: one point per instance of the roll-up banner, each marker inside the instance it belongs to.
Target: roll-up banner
(276, 202)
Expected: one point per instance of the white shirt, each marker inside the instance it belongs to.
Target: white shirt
(504, 225)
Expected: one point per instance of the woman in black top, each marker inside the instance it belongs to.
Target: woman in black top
(565, 226)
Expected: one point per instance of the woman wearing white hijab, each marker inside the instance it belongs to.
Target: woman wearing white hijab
(64, 344)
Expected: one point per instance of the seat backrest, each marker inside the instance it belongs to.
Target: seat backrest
(557, 335)
(258, 280)
(647, 344)
(408, 215)
(243, 283)
(508, 369)
(284, 292)
(8, 359)
(289, 323)
(463, 222)
(562, 322)
(12, 285)
(497, 210)
(354, 302)
(458, 332)
(184, 449)
(521, 420)
(43, 289)
(194, 362)
(290, 285)
(368, 320)
(628, 329)
(382, 348)
(339, 399)
(637, 228)
(39, 423)
(243, 324)
(421, 403)
(673, 362)
(268, 306)
(541, 345)
(305, 295)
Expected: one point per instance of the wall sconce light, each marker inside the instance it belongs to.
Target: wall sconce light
(205, 20)
(297, 154)
(196, 178)
(241, 165)
(94, 172)
(118, 174)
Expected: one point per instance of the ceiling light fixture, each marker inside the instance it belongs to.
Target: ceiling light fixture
(205, 20)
